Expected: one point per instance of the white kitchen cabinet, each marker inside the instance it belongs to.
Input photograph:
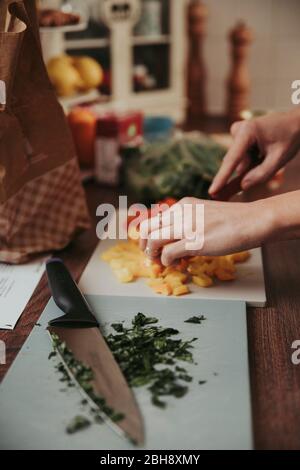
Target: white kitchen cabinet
(116, 41)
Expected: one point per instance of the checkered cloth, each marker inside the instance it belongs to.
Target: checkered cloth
(43, 215)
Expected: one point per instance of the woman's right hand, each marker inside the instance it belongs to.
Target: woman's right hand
(277, 137)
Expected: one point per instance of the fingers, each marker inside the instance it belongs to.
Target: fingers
(261, 173)
(235, 128)
(146, 227)
(158, 231)
(151, 228)
(243, 165)
(158, 239)
(149, 225)
(173, 251)
(244, 137)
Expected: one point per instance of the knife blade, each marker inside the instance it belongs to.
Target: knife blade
(79, 331)
(234, 186)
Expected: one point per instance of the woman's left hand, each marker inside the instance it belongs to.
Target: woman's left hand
(225, 228)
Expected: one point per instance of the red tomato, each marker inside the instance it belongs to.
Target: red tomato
(154, 210)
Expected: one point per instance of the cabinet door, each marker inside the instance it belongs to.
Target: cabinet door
(94, 41)
(151, 43)
(159, 54)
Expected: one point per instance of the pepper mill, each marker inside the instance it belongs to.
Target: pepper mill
(238, 85)
(197, 18)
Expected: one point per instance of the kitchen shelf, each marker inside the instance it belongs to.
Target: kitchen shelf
(68, 102)
(81, 26)
(99, 43)
(151, 40)
(52, 38)
(105, 42)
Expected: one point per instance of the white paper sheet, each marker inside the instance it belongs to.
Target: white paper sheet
(17, 284)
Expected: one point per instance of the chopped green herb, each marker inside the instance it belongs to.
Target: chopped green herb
(52, 354)
(84, 376)
(77, 424)
(157, 402)
(202, 382)
(196, 319)
(38, 324)
(185, 377)
(148, 354)
(116, 417)
(118, 327)
(141, 320)
(98, 419)
(143, 348)
(64, 375)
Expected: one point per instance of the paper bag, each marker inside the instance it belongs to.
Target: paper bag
(42, 204)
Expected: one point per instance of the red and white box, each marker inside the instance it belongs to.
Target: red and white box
(113, 131)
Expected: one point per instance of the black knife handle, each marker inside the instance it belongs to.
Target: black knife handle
(68, 298)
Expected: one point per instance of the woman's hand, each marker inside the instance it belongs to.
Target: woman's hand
(277, 137)
(228, 228)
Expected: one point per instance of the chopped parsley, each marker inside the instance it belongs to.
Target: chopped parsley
(149, 354)
(196, 319)
(84, 376)
(77, 424)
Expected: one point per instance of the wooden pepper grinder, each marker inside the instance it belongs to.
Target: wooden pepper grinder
(197, 18)
(238, 85)
(4, 15)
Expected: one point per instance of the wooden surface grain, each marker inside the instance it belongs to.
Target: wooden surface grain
(275, 381)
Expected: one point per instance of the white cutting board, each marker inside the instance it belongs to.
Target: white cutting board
(36, 407)
(99, 279)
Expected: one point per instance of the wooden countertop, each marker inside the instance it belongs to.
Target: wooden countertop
(275, 381)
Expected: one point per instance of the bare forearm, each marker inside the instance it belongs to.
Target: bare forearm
(285, 216)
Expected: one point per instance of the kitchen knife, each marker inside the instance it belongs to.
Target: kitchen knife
(79, 331)
(234, 185)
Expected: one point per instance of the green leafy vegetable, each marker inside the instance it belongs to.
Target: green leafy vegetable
(196, 319)
(144, 349)
(52, 354)
(84, 376)
(175, 168)
(77, 424)
(118, 327)
(141, 320)
(148, 354)
(202, 382)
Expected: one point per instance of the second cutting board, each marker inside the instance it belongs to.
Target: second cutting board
(249, 286)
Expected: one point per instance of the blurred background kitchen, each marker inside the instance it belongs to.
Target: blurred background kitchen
(128, 71)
